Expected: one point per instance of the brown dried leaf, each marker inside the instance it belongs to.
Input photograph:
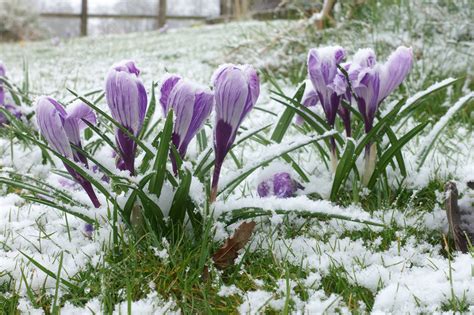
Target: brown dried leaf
(227, 254)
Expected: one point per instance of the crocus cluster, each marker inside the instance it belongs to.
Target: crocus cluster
(367, 82)
(280, 185)
(191, 104)
(127, 100)
(236, 91)
(60, 128)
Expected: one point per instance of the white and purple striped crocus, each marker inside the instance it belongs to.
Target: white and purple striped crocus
(60, 128)
(330, 87)
(280, 185)
(191, 104)
(127, 100)
(372, 83)
(236, 91)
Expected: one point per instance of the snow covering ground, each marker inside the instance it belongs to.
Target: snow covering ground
(405, 276)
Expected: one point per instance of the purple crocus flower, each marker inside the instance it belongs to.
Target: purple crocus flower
(372, 83)
(236, 91)
(127, 100)
(192, 104)
(323, 73)
(2, 89)
(60, 128)
(310, 98)
(280, 185)
(165, 90)
(322, 70)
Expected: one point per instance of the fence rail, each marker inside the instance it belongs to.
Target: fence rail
(85, 15)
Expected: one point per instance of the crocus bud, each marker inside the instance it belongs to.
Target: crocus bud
(192, 105)
(236, 91)
(60, 128)
(310, 98)
(280, 185)
(127, 100)
(322, 70)
(2, 89)
(165, 90)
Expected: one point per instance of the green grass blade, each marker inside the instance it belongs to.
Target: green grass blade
(161, 158)
(343, 169)
(388, 155)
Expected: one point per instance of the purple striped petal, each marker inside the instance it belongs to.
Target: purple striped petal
(394, 71)
(51, 124)
(79, 110)
(127, 100)
(192, 105)
(367, 93)
(310, 98)
(165, 90)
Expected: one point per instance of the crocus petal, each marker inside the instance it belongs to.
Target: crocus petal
(310, 98)
(367, 93)
(394, 71)
(236, 91)
(80, 111)
(126, 96)
(192, 105)
(50, 123)
(165, 90)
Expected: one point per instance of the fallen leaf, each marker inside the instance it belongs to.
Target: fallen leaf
(227, 254)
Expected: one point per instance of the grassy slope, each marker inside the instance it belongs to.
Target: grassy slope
(193, 53)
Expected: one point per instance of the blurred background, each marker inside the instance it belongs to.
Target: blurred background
(40, 19)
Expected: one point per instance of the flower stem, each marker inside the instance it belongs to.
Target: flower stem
(215, 182)
(370, 157)
(333, 160)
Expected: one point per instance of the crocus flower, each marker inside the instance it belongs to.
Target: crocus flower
(127, 100)
(2, 89)
(192, 104)
(280, 185)
(236, 91)
(60, 128)
(310, 98)
(372, 83)
(322, 70)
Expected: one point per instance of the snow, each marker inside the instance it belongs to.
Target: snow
(407, 276)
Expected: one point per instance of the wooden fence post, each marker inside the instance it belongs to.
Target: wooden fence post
(84, 18)
(161, 13)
